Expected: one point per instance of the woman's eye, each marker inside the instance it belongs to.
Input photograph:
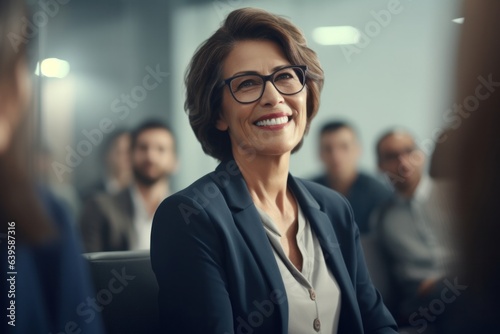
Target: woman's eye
(284, 76)
(248, 84)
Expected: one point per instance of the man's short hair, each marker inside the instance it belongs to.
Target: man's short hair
(388, 133)
(110, 140)
(149, 125)
(334, 126)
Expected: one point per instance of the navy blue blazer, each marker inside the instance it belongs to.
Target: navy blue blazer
(217, 272)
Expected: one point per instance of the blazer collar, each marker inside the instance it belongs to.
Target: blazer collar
(248, 221)
(246, 217)
(229, 177)
(350, 320)
(236, 193)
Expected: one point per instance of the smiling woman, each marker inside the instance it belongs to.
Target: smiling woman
(204, 79)
(262, 251)
(257, 120)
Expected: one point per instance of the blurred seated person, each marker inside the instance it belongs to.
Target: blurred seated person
(122, 221)
(43, 277)
(414, 225)
(117, 170)
(475, 165)
(249, 248)
(340, 150)
(63, 189)
(444, 151)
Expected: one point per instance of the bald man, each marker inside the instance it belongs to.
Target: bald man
(414, 226)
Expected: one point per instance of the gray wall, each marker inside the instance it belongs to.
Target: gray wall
(402, 75)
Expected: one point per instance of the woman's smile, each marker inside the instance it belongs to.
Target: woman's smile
(275, 123)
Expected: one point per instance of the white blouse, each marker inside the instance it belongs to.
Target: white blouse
(313, 295)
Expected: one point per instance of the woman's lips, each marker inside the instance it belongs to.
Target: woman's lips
(277, 119)
(273, 121)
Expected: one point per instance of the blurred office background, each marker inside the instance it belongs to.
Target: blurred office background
(400, 72)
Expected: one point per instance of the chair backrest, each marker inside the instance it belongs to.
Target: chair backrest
(379, 270)
(378, 266)
(126, 291)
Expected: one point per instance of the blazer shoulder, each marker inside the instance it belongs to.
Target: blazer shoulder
(331, 202)
(326, 197)
(201, 195)
(200, 191)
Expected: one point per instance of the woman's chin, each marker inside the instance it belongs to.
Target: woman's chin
(275, 152)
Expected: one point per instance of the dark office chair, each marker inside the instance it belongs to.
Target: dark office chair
(379, 270)
(127, 291)
(382, 280)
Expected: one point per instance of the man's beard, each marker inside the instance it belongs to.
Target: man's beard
(148, 180)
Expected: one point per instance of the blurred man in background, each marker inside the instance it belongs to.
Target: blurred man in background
(414, 225)
(122, 221)
(117, 169)
(340, 152)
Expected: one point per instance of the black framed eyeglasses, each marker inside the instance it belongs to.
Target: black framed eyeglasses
(248, 88)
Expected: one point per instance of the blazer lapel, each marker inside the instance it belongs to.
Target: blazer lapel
(321, 225)
(249, 223)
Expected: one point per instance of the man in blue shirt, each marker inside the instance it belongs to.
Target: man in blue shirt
(340, 152)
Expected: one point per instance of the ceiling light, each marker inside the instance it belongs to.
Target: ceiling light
(336, 35)
(53, 68)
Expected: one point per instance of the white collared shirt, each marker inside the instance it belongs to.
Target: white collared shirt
(417, 233)
(112, 186)
(313, 295)
(142, 220)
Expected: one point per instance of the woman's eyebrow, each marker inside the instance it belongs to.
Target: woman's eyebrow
(274, 69)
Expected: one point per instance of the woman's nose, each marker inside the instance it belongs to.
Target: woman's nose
(270, 96)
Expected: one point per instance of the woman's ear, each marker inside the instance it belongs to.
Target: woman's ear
(5, 132)
(13, 102)
(221, 123)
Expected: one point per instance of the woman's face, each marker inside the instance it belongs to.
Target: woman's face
(249, 125)
(14, 105)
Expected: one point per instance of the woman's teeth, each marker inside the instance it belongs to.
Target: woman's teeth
(272, 121)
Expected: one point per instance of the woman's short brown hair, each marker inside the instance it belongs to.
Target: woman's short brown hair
(13, 41)
(19, 200)
(204, 74)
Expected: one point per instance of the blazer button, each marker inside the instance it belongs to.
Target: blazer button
(312, 294)
(316, 325)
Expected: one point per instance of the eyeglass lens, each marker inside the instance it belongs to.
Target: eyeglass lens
(247, 88)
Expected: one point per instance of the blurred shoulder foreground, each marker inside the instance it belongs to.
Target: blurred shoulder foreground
(47, 282)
